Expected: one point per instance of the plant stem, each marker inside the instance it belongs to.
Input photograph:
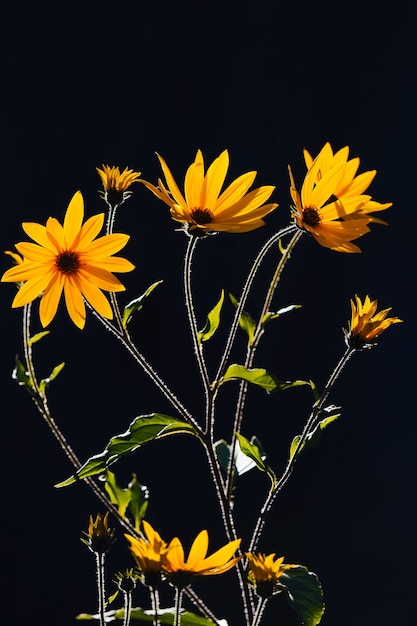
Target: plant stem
(178, 603)
(259, 611)
(127, 595)
(155, 605)
(101, 587)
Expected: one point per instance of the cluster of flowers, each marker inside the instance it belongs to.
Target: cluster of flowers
(70, 259)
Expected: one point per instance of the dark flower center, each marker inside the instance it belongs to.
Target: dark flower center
(311, 216)
(201, 216)
(67, 262)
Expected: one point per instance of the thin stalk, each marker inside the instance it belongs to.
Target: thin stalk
(245, 292)
(127, 597)
(155, 605)
(250, 354)
(178, 603)
(197, 601)
(101, 587)
(259, 611)
(309, 427)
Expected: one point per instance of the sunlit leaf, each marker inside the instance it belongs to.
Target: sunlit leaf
(251, 450)
(37, 337)
(137, 304)
(314, 436)
(274, 315)
(143, 429)
(21, 375)
(166, 616)
(243, 463)
(260, 377)
(139, 501)
(246, 322)
(304, 594)
(46, 381)
(213, 321)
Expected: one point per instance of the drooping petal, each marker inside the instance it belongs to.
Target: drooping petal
(172, 185)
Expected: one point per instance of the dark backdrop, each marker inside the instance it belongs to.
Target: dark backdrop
(92, 83)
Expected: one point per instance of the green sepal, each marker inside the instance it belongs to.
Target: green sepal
(304, 594)
(135, 497)
(137, 304)
(242, 463)
(45, 381)
(260, 377)
(38, 336)
(314, 436)
(274, 315)
(21, 375)
(165, 616)
(143, 429)
(246, 321)
(251, 450)
(212, 322)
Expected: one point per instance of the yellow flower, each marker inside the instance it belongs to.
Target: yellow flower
(149, 554)
(264, 572)
(116, 184)
(99, 536)
(332, 205)
(203, 208)
(69, 259)
(181, 572)
(366, 324)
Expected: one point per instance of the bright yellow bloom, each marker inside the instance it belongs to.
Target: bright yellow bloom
(366, 324)
(264, 572)
(116, 184)
(181, 572)
(149, 554)
(69, 259)
(332, 205)
(203, 208)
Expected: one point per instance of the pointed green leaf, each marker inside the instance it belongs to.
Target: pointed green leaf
(143, 429)
(273, 316)
(243, 463)
(165, 616)
(213, 321)
(260, 377)
(314, 436)
(137, 304)
(38, 336)
(252, 451)
(246, 322)
(304, 594)
(21, 375)
(138, 504)
(45, 381)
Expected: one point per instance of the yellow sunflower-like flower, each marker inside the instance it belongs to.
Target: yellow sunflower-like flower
(332, 205)
(116, 183)
(203, 208)
(149, 554)
(366, 324)
(265, 572)
(99, 536)
(69, 259)
(182, 572)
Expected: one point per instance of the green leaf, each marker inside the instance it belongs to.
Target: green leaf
(304, 594)
(21, 375)
(246, 322)
(143, 429)
(135, 497)
(274, 315)
(314, 436)
(137, 304)
(166, 616)
(38, 336)
(213, 321)
(243, 463)
(45, 381)
(260, 377)
(251, 450)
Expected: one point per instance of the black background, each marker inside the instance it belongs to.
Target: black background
(92, 83)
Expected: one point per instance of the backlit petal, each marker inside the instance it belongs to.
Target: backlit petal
(31, 289)
(198, 549)
(214, 180)
(50, 299)
(74, 302)
(73, 219)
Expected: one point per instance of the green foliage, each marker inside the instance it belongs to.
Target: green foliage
(274, 315)
(304, 593)
(243, 463)
(260, 377)
(137, 304)
(246, 321)
(143, 429)
(212, 322)
(314, 436)
(251, 450)
(165, 616)
(21, 375)
(46, 381)
(135, 497)
(37, 337)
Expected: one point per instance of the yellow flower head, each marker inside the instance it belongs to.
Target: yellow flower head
(149, 554)
(99, 536)
(203, 208)
(264, 572)
(116, 184)
(332, 205)
(69, 259)
(181, 572)
(366, 324)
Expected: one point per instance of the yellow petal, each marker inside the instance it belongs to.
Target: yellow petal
(95, 297)
(73, 219)
(50, 299)
(55, 234)
(172, 185)
(31, 289)
(37, 232)
(214, 180)
(194, 178)
(114, 264)
(33, 252)
(74, 301)
(105, 246)
(219, 558)
(101, 278)
(198, 550)
(234, 192)
(90, 230)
